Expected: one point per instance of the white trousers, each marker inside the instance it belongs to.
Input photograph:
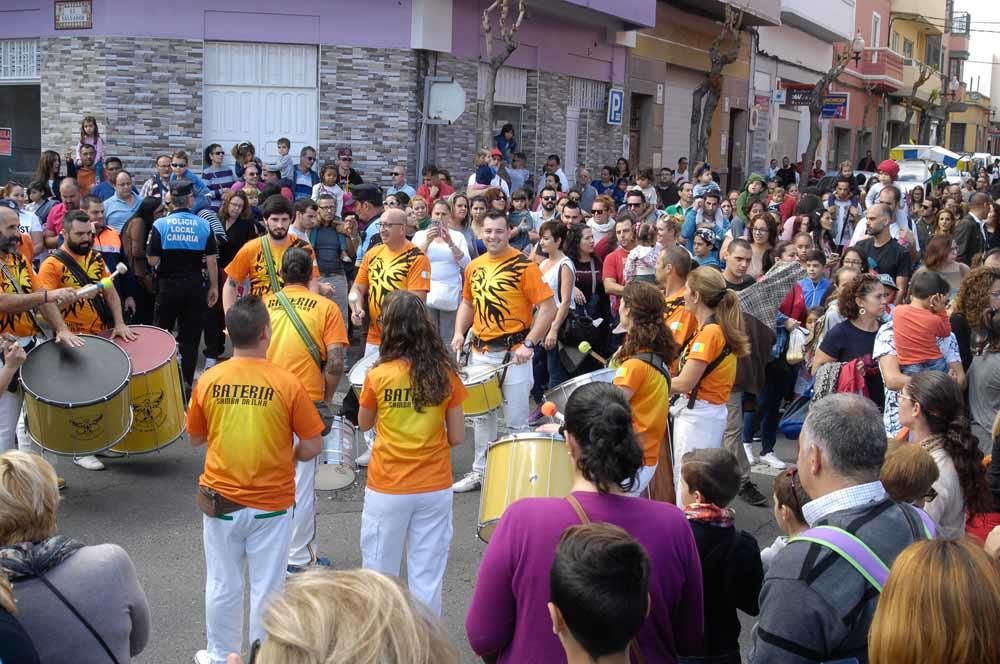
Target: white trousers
(302, 549)
(261, 539)
(421, 521)
(10, 420)
(695, 428)
(370, 349)
(516, 394)
(644, 477)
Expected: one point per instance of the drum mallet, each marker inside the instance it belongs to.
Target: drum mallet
(90, 290)
(549, 410)
(586, 349)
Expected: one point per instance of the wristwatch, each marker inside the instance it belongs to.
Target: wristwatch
(528, 343)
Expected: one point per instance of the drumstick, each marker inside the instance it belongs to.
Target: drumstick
(549, 409)
(90, 290)
(585, 348)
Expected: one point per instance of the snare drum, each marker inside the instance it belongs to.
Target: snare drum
(482, 382)
(360, 370)
(559, 394)
(155, 391)
(75, 401)
(523, 465)
(336, 468)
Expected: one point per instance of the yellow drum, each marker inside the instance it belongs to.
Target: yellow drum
(155, 391)
(75, 401)
(483, 383)
(524, 465)
(360, 370)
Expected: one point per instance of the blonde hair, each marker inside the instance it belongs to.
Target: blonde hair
(29, 498)
(357, 616)
(940, 604)
(7, 601)
(708, 283)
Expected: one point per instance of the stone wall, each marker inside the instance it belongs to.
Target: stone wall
(369, 101)
(145, 93)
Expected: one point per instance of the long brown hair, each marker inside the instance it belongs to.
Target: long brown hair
(408, 334)
(44, 170)
(246, 214)
(649, 332)
(940, 604)
(725, 306)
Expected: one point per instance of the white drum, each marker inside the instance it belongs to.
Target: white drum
(336, 468)
(360, 370)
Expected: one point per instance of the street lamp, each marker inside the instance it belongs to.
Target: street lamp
(953, 86)
(857, 46)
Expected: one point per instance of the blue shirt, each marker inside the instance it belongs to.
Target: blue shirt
(181, 240)
(406, 189)
(104, 190)
(117, 212)
(373, 228)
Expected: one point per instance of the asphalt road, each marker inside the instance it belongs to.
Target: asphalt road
(146, 504)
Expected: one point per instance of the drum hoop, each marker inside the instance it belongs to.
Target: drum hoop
(128, 430)
(491, 376)
(155, 449)
(527, 435)
(482, 526)
(92, 402)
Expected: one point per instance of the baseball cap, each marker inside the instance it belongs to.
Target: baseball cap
(888, 281)
(496, 152)
(181, 188)
(369, 193)
(9, 203)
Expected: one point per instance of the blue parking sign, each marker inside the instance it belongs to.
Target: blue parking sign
(616, 106)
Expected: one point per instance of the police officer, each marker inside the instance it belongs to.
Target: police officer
(180, 246)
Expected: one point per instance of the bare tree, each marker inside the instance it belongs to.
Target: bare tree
(816, 108)
(924, 73)
(509, 23)
(724, 51)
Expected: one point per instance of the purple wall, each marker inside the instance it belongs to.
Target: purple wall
(548, 43)
(382, 23)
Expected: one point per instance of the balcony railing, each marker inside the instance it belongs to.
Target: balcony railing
(881, 63)
(960, 23)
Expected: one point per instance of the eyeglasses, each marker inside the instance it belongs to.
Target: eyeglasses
(176, 165)
(760, 230)
(548, 198)
(385, 225)
(251, 174)
(904, 395)
(851, 261)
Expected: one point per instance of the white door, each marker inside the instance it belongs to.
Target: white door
(260, 93)
(680, 86)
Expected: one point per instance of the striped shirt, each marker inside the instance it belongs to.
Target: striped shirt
(218, 180)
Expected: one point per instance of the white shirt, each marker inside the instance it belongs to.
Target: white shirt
(901, 221)
(446, 272)
(497, 182)
(338, 194)
(844, 499)
(29, 222)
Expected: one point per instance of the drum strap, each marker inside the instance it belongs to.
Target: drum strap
(272, 275)
(581, 514)
(17, 289)
(300, 327)
(100, 305)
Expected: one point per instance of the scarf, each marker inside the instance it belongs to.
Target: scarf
(30, 559)
(712, 515)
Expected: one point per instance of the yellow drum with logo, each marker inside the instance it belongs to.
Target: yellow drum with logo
(524, 465)
(155, 391)
(483, 384)
(75, 399)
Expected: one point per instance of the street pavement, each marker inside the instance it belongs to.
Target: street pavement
(146, 504)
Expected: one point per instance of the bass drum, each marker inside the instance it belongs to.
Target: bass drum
(75, 401)
(559, 394)
(525, 465)
(155, 391)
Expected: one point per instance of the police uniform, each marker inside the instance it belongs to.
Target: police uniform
(181, 240)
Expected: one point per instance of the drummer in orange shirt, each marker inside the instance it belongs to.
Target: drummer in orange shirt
(321, 320)
(248, 411)
(643, 373)
(396, 264)
(672, 268)
(413, 397)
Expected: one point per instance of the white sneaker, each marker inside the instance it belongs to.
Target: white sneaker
(201, 657)
(748, 448)
(773, 461)
(364, 459)
(89, 462)
(470, 482)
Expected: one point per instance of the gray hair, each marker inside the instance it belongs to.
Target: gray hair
(848, 428)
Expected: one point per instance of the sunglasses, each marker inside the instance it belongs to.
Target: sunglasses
(310, 158)
(176, 165)
(218, 152)
(631, 205)
(598, 210)
(347, 158)
(395, 174)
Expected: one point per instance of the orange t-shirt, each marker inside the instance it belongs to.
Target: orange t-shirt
(411, 452)
(679, 320)
(81, 317)
(650, 405)
(706, 346)
(27, 247)
(503, 291)
(249, 408)
(321, 317)
(249, 264)
(383, 271)
(20, 268)
(86, 179)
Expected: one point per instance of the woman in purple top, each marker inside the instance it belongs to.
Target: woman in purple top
(508, 619)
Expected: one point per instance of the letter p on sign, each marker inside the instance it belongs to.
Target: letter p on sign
(616, 106)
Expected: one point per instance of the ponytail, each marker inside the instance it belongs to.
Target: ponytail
(729, 316)
(599, 418)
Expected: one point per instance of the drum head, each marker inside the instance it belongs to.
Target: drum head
(151, 350)
(361, 368)
(57, 374)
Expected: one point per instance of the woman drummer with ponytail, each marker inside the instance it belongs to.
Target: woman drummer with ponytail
(506, 621)
(643, 373)
(707, 367)
(413, 397)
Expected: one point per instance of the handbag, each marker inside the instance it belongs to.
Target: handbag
(578, 326)
(796, 351)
